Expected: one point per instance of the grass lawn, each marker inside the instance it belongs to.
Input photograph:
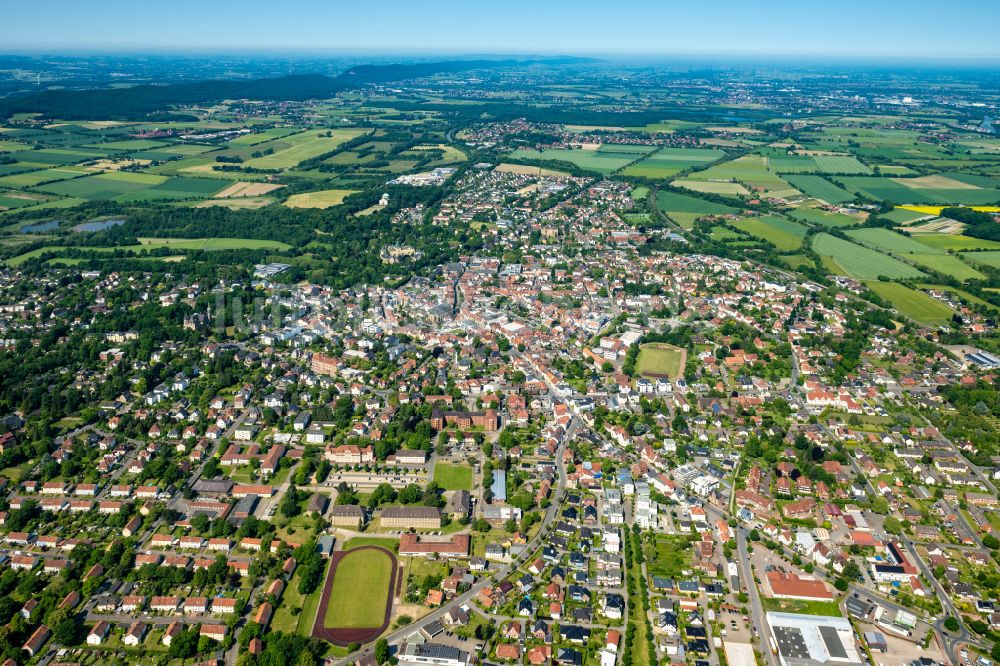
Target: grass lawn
(389, 543)
(669, 555)
(830, 608)
(285, 617)
(912, 303)
(453, 477)
(658, 359)
(360, 590)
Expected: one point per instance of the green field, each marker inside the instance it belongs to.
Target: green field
(802, 606)
(749, 170)
(860, 262)
(820, 188)
(321, 199)
(795, 164)
(890, 241)
(783, 234)
(823, 218)
(914, 304)
(598, 161)
(104, 186)
(658, 359)
(907, 191)
(669, 555)
(206, 244)
(684, 210)
(950, 242)
(669, 161)
(947, 264)
(991, 258)
(291, 150)
(360, 590)
(453, 477)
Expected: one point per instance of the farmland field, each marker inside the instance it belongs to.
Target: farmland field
(104, 186)
(591, 160)
(505, 167)
(684, 210)
(290, 151)
(823, 218)
(890, 241)
(861, 262)
(359, 591)
(713, 187)
(822, 189)
(749, 170)
(668, 161)
(657, 359)
(817, 164)
(948, 264)
(912, 303)
(990, 258)
(956, 243)
(783, 234)
(321, 199)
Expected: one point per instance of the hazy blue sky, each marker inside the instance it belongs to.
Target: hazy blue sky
(816, 27)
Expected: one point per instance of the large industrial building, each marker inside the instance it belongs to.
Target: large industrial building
(813, 640)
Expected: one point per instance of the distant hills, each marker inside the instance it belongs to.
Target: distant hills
(149, 102)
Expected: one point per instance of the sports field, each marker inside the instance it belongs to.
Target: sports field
(321, 199)
(453, 477)
(291, 150)
(912, 303)
(783, 234)
(360, 590)
(658, 359)
(860, 262)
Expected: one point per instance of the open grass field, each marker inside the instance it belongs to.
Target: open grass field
(592, 160)
(802, 606)
(292, 150)
(104, 186)
(783, 234)
(824, 218)
(947, 264)
(722, 187)
(668, 555)
(32, 178)
(263, 136)
(658, 359)
(453, 477)
(296, 623)
(360, 590)
(956, 243)
(890, 241)
(684, 210)
(667, 162)
(817, 164)
(506, 167)
(905, 215)
(178, 187)
(990, 258)
(820, 188)
(320, 199)
(860, 262)
(914, 304)
(191, 244)
(751, 171)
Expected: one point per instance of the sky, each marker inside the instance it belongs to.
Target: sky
(822, 28)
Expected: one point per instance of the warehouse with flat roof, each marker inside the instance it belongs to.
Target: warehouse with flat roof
(813, 640)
